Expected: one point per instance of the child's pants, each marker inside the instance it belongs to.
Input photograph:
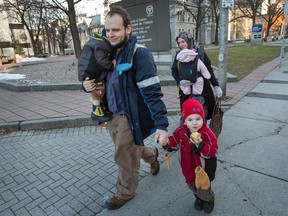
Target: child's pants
(98, 93)
(205, 195)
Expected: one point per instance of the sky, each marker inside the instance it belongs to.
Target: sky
(91, 7)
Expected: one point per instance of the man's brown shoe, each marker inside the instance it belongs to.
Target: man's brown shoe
(155, 166)
(115, 202)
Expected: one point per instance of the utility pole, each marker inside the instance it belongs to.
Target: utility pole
(223, 38)
(282, 51)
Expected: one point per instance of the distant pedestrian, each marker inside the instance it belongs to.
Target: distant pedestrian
(133, 95)
(198, 147)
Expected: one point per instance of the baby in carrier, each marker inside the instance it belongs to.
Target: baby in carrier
(191, 71)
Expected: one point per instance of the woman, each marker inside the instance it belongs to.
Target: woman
(185, 40)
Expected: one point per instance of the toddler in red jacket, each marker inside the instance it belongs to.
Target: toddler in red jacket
(198, 147)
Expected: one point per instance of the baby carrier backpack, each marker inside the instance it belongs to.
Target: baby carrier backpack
(188, 70)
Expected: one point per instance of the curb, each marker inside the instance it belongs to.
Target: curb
(56, 123)
(55, 87)
(74, 86)
(39, 87)
(63, 122)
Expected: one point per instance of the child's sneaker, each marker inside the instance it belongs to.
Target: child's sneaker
(99, 115)
(208, 206)
(198, 204)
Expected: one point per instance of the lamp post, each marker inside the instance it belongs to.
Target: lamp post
(223, 38)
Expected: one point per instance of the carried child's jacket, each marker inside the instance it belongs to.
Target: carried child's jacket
(96, 59)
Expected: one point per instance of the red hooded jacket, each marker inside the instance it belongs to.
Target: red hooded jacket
(190, 155)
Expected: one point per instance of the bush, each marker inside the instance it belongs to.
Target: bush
(19, 49)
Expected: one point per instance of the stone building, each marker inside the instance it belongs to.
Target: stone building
(13, 36)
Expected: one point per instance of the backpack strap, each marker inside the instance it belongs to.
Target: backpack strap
(201, 53)
(135, 49)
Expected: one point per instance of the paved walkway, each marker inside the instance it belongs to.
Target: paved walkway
(55, 109)
(71, 171)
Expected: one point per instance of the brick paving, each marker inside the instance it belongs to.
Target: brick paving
(68, 171)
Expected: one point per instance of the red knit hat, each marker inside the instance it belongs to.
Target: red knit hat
(192, 106)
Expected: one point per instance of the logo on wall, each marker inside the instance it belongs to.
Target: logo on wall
(149, 10)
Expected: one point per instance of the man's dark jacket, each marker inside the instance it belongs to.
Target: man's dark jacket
(141, 91)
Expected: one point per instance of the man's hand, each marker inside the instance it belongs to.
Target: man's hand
(161, 136)
(89, 85)
(218, 91)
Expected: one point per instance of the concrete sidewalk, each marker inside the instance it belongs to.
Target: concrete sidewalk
(252, 173)
(71, 171)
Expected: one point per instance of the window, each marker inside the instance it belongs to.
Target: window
(180, 16)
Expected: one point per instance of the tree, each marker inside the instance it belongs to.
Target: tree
(56, 28)
(215, 4)
(197, 9)
(69, 10)
(62, 29)
(30, 14)
(274, 12)
(278, 25)
(249, 8)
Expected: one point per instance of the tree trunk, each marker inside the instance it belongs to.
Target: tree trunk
(216, 34)
(73, 28)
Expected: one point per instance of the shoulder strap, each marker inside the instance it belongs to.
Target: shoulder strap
(135, 49)
(201, 53)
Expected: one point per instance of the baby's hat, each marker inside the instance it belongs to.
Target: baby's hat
(192, 106)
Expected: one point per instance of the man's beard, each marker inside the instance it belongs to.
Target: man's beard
(121, 44)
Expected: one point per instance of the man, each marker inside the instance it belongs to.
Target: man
(134, 97)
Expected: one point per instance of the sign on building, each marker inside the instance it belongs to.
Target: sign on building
(227, 3)
(150, 22)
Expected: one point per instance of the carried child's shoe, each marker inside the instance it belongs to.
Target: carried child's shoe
(99, 115)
